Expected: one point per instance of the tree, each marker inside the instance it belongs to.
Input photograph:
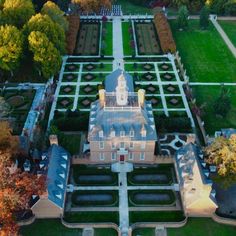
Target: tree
(46, 57)
(182, 17)
(54, 12)
(204, 17)
(11, 47)
(222, 154)
(222, 104)
(16, 12)
(179, 3)
(92, 5)
(16, 187)
(5, 108)
(52, 30)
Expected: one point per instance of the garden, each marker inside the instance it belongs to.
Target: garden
(146, 39)
(20, 102)
(230, 29)
(88, 39)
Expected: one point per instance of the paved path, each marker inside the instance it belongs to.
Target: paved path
(117, 44)
(225, 37)
(212, 84)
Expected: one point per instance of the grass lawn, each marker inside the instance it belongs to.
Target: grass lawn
(208, 94)
(107, 232)
(49, 227)
(91, 216)
(202, 226)
(128, 50)
(128, 7)
(144, 232)
(108, 51)
(204, 54)
(71, 142)
(230, 29)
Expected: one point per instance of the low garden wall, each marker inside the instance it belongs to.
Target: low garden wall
(27, 222)
(223, 220)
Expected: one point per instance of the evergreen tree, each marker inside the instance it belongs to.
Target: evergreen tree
(204, 18)
(182, 19)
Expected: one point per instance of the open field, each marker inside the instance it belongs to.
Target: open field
(204, 54)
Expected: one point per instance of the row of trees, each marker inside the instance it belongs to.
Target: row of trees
(16, 187)
(24, 34)
(164, 33)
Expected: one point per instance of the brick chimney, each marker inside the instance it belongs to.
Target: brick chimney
(53, 139)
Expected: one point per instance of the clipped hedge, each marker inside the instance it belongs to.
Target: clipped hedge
(164, 33)
(71, 34)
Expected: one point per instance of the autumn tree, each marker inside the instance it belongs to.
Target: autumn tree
(54, 12)
(222, 153)
(16, 187)
(92, 5)
(11, 47)
(5, 108)
(52, 30)
(16, 12)
(46, 57)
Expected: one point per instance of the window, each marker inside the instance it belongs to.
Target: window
(101, 145)
(101, 156)
(143, 145)
(131, 156)
(113, 133)
(131, 145)
(100, 134)
(113, 146)
(122, 133)
(113, 156)
(142, 156)
(122, 145)
(131, 133)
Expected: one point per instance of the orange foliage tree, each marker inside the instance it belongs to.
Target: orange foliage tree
(164, 33)
(71, 34)
(16, 187)
(92, 5)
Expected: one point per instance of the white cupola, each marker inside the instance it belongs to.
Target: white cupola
(121, 91)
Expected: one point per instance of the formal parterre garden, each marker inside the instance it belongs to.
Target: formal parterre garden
(19, 101)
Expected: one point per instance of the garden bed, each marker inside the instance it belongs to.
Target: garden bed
(146, 38)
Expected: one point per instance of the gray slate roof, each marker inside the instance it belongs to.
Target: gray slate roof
(186, 157)
(228, 132)
(57, 163)
(111, 81)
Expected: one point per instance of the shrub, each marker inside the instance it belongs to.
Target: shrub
(164, 33)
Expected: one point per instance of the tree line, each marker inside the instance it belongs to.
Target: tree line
(27, 35)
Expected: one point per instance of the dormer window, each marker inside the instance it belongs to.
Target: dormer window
(100, 134)
(113, 134)
(122, 133)
(131, 133)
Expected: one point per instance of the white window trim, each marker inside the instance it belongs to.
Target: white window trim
(113, 156)
(131, 133)
(131, 156)
(142, 156)
(143, 145)
(101, 145)
(131, 146)
(101, 156)
(122, 133)
(113, 146)
(121, 143)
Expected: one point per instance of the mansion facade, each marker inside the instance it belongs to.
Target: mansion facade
(121, 123)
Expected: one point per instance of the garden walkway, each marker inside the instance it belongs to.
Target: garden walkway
(118, 53)
(224, 36)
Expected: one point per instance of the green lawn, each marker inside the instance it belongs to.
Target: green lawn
(144, 232)
(202, 227)
(230, 29)
(71, 142)
(128, 51)
(207, 95)
(49, 227)
(128, 7)
(53, 227)
(108, 40)
(204, 54)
